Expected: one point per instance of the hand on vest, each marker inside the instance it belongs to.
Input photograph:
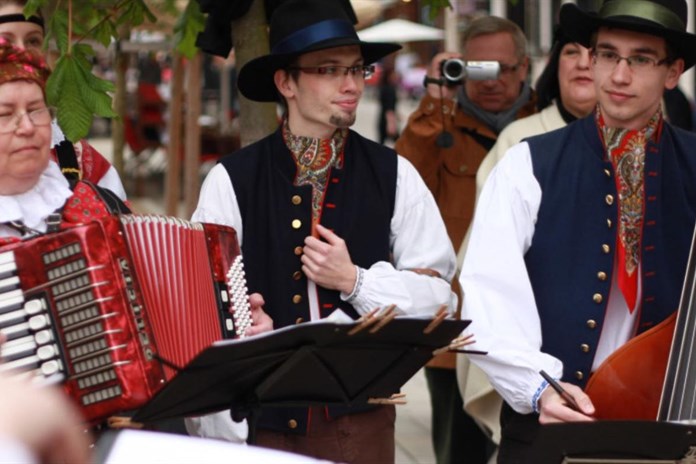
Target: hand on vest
(553, 408)
(260, 321)
(328, 262)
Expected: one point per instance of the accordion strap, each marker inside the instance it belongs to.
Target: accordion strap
(20, 227)
(113, 203)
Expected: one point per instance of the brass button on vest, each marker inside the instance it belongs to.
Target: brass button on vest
(297, 275)
(606, 249)
(592, 324)
(296, 199)
(297, 299)
(602, 275)
(292, 423)
(585, 348)
(597, 298)
(299, 320)
(607, 172)
(296, 223)
(579, 375)
(298, 251)
(609, 199)
(609, 223)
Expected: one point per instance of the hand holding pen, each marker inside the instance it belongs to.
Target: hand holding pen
(575, 407)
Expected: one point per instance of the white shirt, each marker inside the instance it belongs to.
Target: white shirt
(418, 239)
(498, 295)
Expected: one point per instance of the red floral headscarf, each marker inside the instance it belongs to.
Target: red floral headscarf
(17, 65)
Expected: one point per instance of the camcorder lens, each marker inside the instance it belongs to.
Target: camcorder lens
(455, 70)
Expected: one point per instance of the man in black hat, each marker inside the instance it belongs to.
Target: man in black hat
(326, 218)
(581, 235)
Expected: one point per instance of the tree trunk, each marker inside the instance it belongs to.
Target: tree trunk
(118, 135)
(250, 38)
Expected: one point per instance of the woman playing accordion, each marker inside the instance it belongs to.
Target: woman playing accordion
(108, 303)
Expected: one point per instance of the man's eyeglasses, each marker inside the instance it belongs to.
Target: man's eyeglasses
(9, 122)
(509, 68)
(608, 59)
(357, 71)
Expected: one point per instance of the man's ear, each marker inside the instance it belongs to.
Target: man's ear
(284, 83)
(674, 72)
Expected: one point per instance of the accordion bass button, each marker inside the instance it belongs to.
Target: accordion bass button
(43, 337)
(38, 322)
(34, 306)
(50, 368)
(46, 352)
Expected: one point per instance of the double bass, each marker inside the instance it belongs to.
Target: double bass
(653, 376)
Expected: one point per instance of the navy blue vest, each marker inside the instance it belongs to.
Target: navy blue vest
(358, 206)
(571, 258)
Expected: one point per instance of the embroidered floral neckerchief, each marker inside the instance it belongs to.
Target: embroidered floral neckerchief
(626, 150)
(314, 158)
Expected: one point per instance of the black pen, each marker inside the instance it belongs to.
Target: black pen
(564, 394)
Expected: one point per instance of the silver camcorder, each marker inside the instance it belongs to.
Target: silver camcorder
(455, 71)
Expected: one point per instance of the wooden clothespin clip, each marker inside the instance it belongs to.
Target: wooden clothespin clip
(364, 322)
(440, 316)
(123, 422)
(385, 317)
(456, 344)
(395, 399)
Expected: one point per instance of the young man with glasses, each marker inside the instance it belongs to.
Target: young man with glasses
(446, 139)
(327, 219)
(581, 235)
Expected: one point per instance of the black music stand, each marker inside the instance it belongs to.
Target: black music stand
(312, 363)
(615, 442)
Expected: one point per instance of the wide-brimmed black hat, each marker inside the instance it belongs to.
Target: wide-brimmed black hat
(663, 18)
(298, 27)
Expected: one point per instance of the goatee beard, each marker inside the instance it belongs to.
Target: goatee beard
(342, 121)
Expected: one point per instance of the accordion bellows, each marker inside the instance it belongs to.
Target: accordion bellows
(115, 306)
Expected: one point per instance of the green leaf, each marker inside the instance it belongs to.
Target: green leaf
(104, 31)
(57, 27)
(78, 94)
(134, 12)
(435, 6)
(32, 6)
(187, 27)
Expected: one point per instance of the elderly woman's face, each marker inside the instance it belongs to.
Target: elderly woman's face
(21, 34)
(575, 80)
(25, 148)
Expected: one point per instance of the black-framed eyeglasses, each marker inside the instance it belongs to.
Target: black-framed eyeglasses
(609, 59)
(358, 71)
(39, 117)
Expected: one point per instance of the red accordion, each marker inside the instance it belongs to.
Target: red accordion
(113, 307)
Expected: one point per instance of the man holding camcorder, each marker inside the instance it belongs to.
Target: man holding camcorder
(446, 138)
